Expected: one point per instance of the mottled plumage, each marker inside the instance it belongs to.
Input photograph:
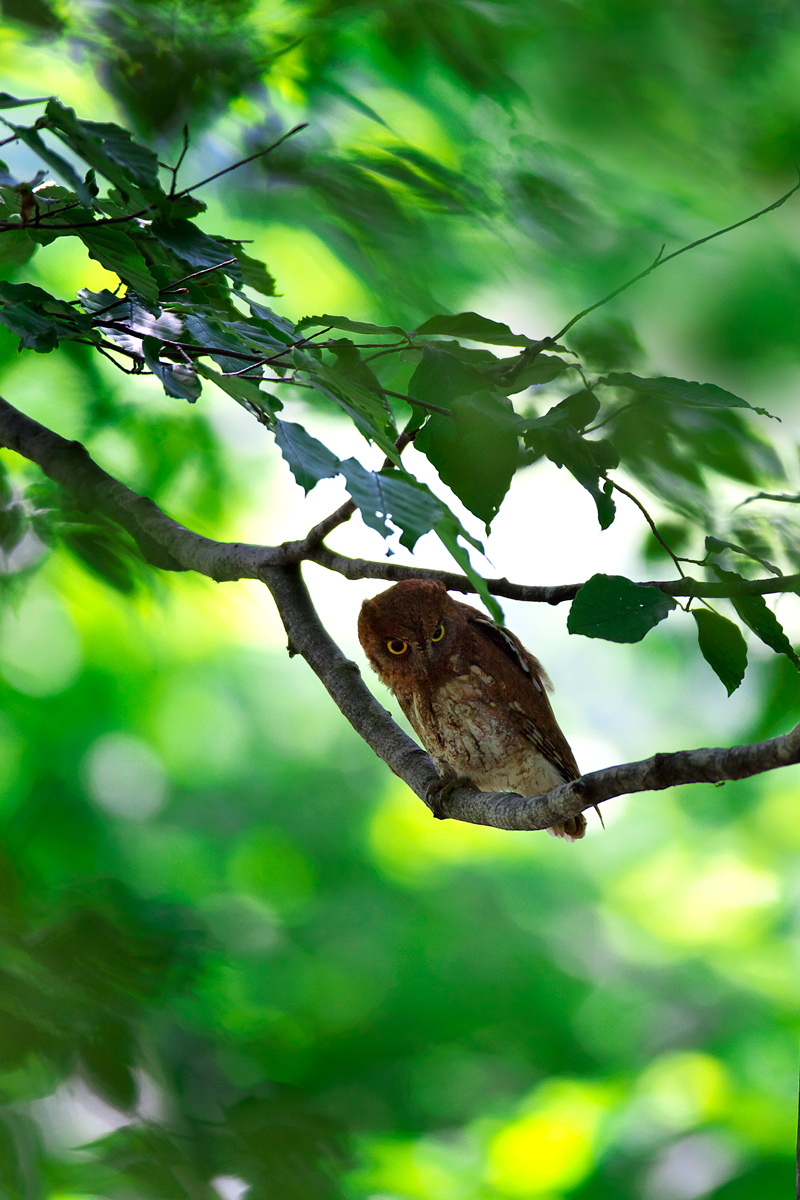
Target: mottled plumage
(475, 696)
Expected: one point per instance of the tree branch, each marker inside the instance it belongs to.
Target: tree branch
(172, 547)
(364, 568)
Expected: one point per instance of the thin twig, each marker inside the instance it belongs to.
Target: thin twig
(243, 161)
(662, 258)
(653, 528)
(185, 191)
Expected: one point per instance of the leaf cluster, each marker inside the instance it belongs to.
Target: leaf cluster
(190, 310)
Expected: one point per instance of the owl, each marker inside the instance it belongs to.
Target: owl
(475, 696)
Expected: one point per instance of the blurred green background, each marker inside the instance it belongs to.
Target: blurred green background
(234, 947)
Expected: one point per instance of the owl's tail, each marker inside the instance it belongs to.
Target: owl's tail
(572, 829)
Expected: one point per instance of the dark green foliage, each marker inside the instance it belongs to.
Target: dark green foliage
(183, 307)
(755, 613)
(475, 449)
(310, 973)
(611, 607)
(474, 328)
(722, 646)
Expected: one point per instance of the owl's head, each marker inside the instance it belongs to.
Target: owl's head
(408, 630)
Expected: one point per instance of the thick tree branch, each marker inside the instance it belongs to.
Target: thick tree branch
(172, 547)
(168, 545)
(162, 541)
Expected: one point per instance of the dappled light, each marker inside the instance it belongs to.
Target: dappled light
(239, 958)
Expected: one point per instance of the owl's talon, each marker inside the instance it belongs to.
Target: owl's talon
(440, 791)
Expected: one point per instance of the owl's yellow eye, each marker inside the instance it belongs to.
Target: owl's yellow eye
(437, 634)
(396, 647)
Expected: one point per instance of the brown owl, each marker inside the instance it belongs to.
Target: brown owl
(471, 690)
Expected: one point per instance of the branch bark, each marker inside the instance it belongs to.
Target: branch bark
(171, 546)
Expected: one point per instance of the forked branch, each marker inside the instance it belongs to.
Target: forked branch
(171, 546)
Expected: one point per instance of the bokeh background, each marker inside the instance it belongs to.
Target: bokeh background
(236, 951)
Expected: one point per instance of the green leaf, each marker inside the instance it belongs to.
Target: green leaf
(449, 531)
(350, 363)
(115, 251)
(21, 1157)
(701, 395)
(282, 327)
(177, 380)
(309, 460)
(195, 247)
(60, 165)
(585, 459)
(369, 412)
(716, 545)
(15, 249)
(351, 326)
(7, 101)
(442, 377)
(105, 551)
(255, 274)
(93, 302)
(578, 410)
(108, 1054)
(474, 328)
(756, 614)
(475, 450)
(35, 331)
(108, 148)
(415, 510)
(262, 405)
(614, 608)
(529, 369)
(722, 646)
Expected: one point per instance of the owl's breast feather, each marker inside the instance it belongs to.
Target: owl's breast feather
(466, 732)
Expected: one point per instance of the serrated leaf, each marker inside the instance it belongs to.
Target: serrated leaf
(415, 510)
(196, 248)
(758, 617)
(349, 326)
(282, 327)
(474, 328)
(108, 148)
(683, 391)
(369, 413)
(118, 253)
(475, 450)
(449, 531)
(177, 380)
(722, 646)
(585, 459)
(60, 165)
(375, 494)
(15, 249)
(93, 302)
(262, 405)
(309, 460)
(255, 274)
(616, 609)
(715, 545)
(442, 377)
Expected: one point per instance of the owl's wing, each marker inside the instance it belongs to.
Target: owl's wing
(524, 682)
